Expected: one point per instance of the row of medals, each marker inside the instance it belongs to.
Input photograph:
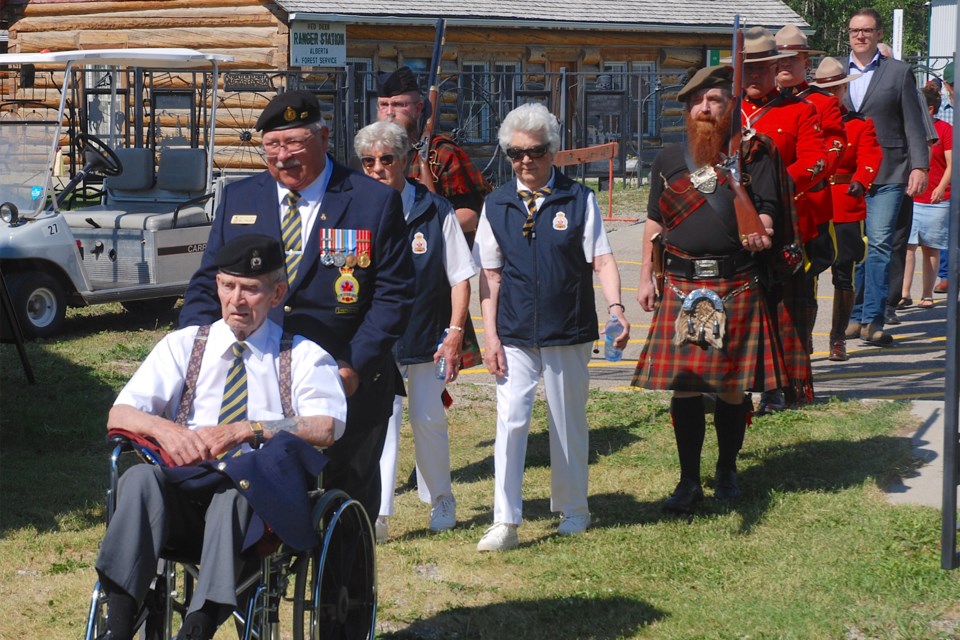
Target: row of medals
(340, 259)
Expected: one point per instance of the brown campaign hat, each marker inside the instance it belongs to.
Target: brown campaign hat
(832, 72)
(759, 45)
(718, 76)
(791, 38)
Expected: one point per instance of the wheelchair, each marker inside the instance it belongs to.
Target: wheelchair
(327, 592)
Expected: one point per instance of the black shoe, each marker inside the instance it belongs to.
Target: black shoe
(685, 498)
(725, 485)
(771, 401)
(890, 316)
(198, 625)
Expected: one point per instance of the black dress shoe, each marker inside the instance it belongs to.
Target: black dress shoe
(890, 316)
(725, 485)
(685, 498)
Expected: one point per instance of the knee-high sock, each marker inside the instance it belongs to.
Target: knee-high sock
(730, 421)
(689, 425)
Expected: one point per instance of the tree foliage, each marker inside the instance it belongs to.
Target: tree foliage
(830, 17)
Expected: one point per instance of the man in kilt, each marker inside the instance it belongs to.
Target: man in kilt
(712, 330)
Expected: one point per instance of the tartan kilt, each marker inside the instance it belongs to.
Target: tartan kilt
(790, 309)
(750, 360)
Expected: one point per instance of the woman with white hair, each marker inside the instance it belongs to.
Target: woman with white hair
(443, 267)
(541, 240)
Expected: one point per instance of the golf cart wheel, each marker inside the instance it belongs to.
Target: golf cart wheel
(151, 307)
(39, 302)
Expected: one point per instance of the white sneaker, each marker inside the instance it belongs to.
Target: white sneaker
(573, 525)
(499, 537)
(381, 529)
(443, 515)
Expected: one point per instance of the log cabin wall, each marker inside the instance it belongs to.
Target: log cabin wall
(257, 35)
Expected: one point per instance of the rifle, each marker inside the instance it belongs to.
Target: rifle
(426, 135)
(748, 220)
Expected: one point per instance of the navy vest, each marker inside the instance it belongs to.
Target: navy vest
(546, 287)
(431, 303)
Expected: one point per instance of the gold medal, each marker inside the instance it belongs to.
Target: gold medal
(363, 260)
(351, 260)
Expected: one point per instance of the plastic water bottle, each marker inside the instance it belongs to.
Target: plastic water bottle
(610, 333)
(441, 369)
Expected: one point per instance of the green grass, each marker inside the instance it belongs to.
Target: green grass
(811, 550)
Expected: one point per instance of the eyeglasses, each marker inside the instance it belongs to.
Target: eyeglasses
(862, 32)
(386, 160)
(295, 145)
(534, 153)
(395, 104)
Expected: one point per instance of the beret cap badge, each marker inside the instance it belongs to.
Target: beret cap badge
(289, 114)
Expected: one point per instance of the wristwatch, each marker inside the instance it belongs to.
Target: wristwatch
(257, 429)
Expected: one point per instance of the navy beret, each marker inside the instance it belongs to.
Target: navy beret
(288, 110)
(393, 83)
(250, 255)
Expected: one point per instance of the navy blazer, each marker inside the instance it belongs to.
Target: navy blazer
(361, 333)
(891, 100)
(274, 479)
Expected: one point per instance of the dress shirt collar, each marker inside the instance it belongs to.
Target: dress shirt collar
(313, 192)
(408, 196)
(523, 187)
(221, 338)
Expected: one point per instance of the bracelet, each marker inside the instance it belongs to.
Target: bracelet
(454, 327)
(257, 429)
(616, 304)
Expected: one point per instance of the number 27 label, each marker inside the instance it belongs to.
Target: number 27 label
(53, 229)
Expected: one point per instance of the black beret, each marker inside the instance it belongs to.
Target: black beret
(393, 83)
(250, 255)
(288, 110)
(720, 75)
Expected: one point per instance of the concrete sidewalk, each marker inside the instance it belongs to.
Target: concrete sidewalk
(925, 485)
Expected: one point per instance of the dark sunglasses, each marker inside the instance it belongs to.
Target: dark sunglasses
(534, 153)
(386, 160)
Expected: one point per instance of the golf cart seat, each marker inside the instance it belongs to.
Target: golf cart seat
(135, 200)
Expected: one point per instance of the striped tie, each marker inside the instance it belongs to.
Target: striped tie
(234, 405)
(530, 197)
(292, 237)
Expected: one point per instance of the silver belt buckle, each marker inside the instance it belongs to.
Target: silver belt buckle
(706, 269)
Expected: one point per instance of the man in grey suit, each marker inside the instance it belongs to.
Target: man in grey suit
(886, 92)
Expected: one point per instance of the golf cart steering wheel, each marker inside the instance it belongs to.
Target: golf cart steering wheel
(104, 159)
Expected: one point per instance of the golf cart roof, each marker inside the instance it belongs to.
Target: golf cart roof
(167, 58)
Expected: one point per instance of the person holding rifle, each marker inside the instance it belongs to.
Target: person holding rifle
(712, 330)
(814, 207)
(858, 167)
(794, 126)
(453, 174)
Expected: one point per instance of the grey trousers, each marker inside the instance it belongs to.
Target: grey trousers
(153, 515)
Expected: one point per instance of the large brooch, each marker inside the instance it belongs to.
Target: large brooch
(704, 179)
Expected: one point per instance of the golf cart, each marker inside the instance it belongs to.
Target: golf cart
(106, 178)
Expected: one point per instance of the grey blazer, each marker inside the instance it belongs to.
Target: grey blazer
(891, 100)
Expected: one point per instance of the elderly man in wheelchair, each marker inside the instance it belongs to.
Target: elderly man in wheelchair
(233, 413)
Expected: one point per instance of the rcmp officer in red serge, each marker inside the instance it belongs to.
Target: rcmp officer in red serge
(815, 204)
(349, 267)
(852, 180)
(712, 329)
(793, 125)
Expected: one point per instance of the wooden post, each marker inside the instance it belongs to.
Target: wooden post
(585, 155)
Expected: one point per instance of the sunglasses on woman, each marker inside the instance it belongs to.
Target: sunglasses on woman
(534, 153)
(385, 160)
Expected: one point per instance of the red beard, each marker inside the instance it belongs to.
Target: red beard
(707, 137)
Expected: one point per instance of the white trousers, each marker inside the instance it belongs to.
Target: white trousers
(566, 382)
(428, 420)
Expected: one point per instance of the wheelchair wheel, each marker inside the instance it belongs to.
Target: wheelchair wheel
(335, 590)
(97, 616)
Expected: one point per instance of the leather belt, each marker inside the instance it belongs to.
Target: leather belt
(820, 186)
(709, 267)
(842, 178)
